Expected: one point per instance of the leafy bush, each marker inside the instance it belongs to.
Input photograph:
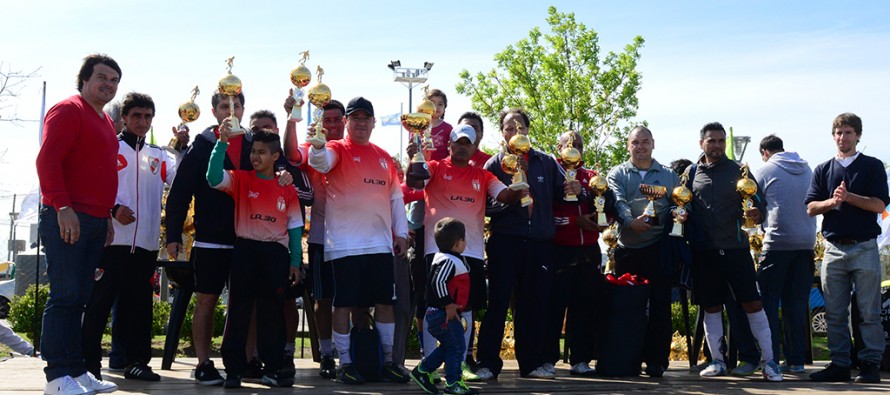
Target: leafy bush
(677, 318)
(219, 319)
(160, 314)
(23, 309)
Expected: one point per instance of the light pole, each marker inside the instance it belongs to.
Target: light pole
(411, 78)
(739, 144)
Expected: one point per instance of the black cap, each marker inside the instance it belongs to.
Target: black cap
(360, 103)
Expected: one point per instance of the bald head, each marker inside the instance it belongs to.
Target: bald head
(640, 131)
(563, 141)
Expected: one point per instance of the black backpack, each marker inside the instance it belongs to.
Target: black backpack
(366, 352)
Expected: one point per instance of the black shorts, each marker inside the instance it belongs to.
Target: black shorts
(364, 280)
(212, 267)
(321, 274)
(716, 273)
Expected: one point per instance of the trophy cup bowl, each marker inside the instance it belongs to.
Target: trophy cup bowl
(230, 85)
(416, 123)
(189, 112)
(520, 144)
(300, 76)
(427, 106)
(320, 95)
(598, 184)
(653, 193)
(510, 164)
(746, 187)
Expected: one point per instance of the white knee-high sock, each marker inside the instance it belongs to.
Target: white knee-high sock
(713, 332)
(387, 333)
(760, 328)
(468, 317)
(341, 341)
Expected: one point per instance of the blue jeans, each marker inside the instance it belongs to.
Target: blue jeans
(71, 268)
(787, 276)
(845, 268)
(451, 345)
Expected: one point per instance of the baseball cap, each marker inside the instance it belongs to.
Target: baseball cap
(360, 103)
(463, 131)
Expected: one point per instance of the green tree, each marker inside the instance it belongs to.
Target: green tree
(561, 79)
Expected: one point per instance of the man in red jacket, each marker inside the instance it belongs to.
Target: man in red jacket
(77, 168)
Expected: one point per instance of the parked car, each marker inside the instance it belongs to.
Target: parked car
(7, 291)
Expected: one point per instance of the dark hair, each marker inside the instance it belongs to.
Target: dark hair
(134, 100)
(679, 166)
(448, 232)
(847, 119)
(439, 93)
(335, 105)
(264, 114)
(772, 143)
(218, 97)
(90, 62)
(269, 138)
(514, 110)
(641, 128)
(473, 116)
(711, 127)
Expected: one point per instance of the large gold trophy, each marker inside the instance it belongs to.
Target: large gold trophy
(416, 123)
(747, 188)
(427, 106)
(300, 77)
(230, 85)
(319, 96)
(681, 196)
(571, 159)
(653, 193)
(519, 145)
(610, 237)
(598, 185)
(188, 112)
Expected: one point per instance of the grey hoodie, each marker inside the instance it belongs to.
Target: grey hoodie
(785, 179)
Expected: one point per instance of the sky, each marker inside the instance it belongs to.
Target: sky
(761, 67)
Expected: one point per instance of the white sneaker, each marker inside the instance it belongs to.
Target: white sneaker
(549, 367)
(715, 368)
(484, 374)
(99, 386)
(582, 369)
(66, 385)
(771, 371)
(541, 373)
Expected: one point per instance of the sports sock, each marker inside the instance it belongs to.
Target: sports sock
(387, 332)
(713, 332)
(341, 340)
(760, 328)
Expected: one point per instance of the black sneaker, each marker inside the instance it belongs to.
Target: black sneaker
(328, 368)
(140, 371)
(424, 380)
(206, 374)
(254, 370)
(832, 374)
(232, 381)
(276, 380)
(868, 373)
(288, 369)
(460, 388)
(347, 374)
(394, 373)
(654, 370)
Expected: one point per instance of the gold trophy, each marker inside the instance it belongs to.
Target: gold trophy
(230, 85)
(427, 106)
(610, 238)
(653, 193)
(747, 188)
(319, 96)
(681, 196)
(755, 240)
(300, 77)
(416, 123)
(188, 112)
(519, 145)
(819, 253)
(571, 159)
(598, 185)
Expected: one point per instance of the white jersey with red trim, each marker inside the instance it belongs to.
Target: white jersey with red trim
(316, 212)
(460, 193)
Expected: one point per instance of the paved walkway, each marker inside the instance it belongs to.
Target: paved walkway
(25, 376)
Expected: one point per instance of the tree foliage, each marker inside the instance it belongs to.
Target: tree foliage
(564, 82)
(11, 84)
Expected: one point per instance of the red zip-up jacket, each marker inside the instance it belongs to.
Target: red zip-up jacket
(565, 214)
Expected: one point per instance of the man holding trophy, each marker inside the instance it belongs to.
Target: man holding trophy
(637, 185)
(721, 259)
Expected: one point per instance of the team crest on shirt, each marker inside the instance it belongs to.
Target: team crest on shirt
(97, 275)
(253, 195)
(121, 162)
(540, 178)
(357, 159)
(154, 164)
(383, 164)
(446, 176)
(281, 205)
(476, 184)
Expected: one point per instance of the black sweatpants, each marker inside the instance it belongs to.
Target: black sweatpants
(576, 296)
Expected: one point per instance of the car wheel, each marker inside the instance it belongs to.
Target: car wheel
(818, 322)
(4, 307)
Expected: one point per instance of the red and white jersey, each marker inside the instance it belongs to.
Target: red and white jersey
(360, 187)
(460, 193)
(264, 210)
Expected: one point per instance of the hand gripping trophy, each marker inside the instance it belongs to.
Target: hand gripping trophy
(230, 85)
(188, 112)
(300, 77)
(319, 96)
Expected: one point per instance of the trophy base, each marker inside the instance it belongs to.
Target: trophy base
(526, 201)
(418, 171)
(677, 230)
(601, 220)
(321, 140)
(519, 186)
(571, 198)
(296, 114)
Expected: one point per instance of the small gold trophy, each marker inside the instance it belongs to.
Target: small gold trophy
(300, 77)
(571, 159)
(416, 123)
(319, 96)
(427, 106)
(681, 196)
(188, 112)
(653, 193)
(819, 252)
(610, 238)
(755, 240)
(747, 188)
(230, 85)
(598, 185)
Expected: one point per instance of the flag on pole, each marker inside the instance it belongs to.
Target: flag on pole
(30, 207)
(730, 151)
(391, 120)
(884, 220)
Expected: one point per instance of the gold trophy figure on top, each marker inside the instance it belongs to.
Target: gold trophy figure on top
(319, 96)
(188, 112)
(747, 188)
(230, 85)
(416, 123)
(300, 77)
(571, 159)
(427, 106)
(681, 196)
(598, 185)
(653, 193)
